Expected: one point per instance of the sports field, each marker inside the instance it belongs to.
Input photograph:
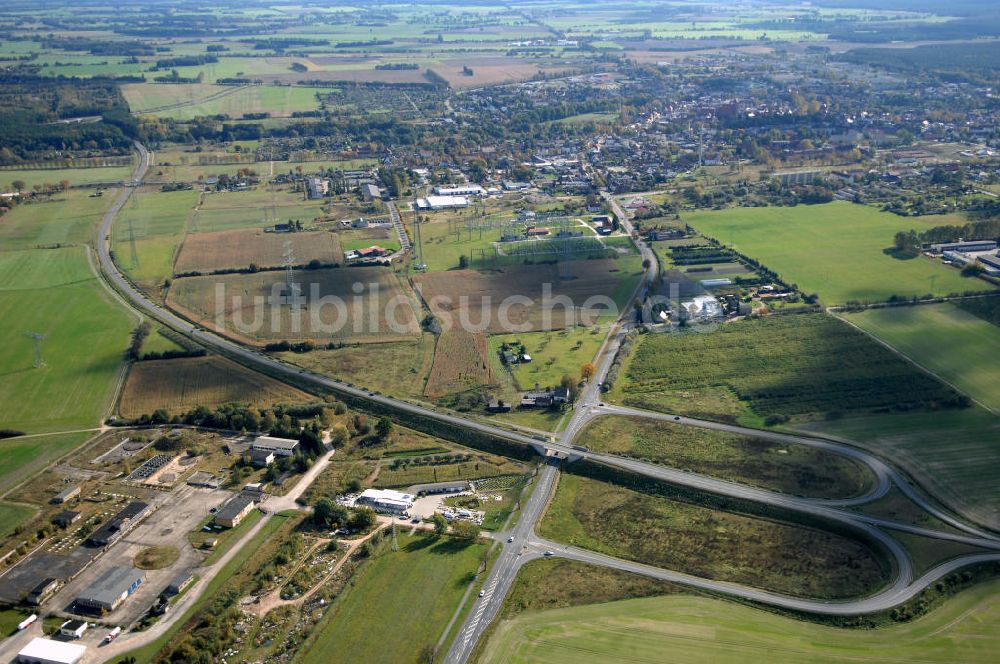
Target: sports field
(53, 292)
(180, 384)
(700, 629)
(422, 584)
(834, 250)
(954, 344)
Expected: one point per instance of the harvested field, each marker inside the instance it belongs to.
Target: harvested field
(399, 368)
(490, 71)
(497, 301)
(461, 362)
(361, 75)
(181, 384)
(353, 305)
(236, 249)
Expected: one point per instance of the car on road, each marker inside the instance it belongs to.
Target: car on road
(509, 540)
(482, 593)
(213, 510)
(676, 417)
(549, 553)
(415, 520)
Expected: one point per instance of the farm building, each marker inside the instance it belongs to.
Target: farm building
(442, 202)
(119, 524)
(73, 629)
(110, 590)
(234, 511)
(66, 495)
(386, 500)
(964, 247)
(42, 591)
(371, 192)
(66, 518)
(47, 651)
(179, 583)
(497, 406)
(317, 188)
(534, 231)
(280, 446)
(261, 458)
(462, 190)
(703, 306)
(539, 398)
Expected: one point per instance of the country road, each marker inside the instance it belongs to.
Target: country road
(525, 544)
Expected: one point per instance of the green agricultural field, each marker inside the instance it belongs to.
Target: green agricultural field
(68, 217)
(75, 176)
(188, 101)
(13, 515)
(257, 208)
(954, 455)
(702, 629)
(834, 250)
(710, 543)
(553, 354)
(952, 343)
(85, 330)
(800, 366)
(795, 469)
(425, 579)
(22, 457)
(156, 221)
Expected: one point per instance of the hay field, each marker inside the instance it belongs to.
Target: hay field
(487, 292)
(181, 384)
(703, 629)
(383, 310)
(834, 250)
(239, 248)
(461, 362)
(952, 343)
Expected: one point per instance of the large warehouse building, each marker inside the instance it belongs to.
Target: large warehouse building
(385, 501)
(47, 651)
(110, 590)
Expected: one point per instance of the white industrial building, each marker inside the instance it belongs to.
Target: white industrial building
(47, 651)
(703, 306)
(442, 202)
(278, 446)
(461, 190)
(386, 501)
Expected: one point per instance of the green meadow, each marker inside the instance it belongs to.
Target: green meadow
(86, 332)
(688, 628)
(835, 250)
(954, 344)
